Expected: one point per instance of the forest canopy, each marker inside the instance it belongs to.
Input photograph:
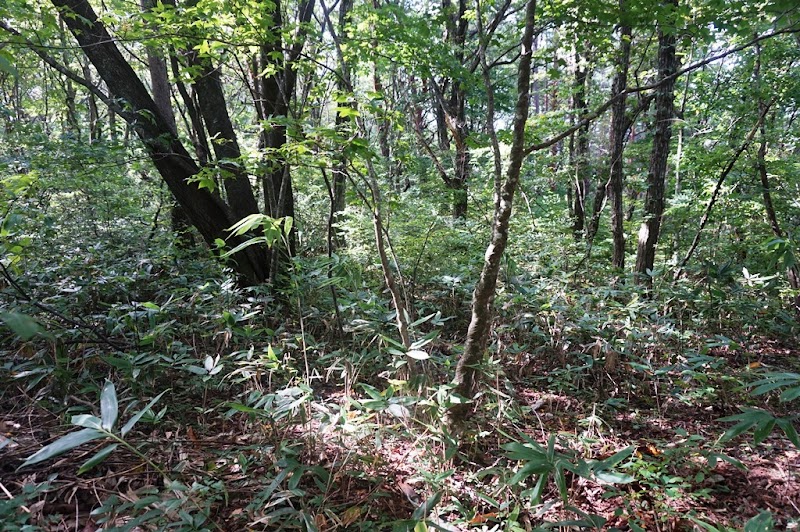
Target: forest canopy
(343, 265)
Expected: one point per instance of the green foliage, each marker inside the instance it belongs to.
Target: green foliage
(94, 428)
(543, 462)
(294, 406)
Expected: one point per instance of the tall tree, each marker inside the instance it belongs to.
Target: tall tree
(792, 272)
(619, 129)
(206, 210)
(483, 295)
(579, 147)
(659, 154)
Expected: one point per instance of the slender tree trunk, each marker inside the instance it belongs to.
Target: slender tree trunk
(95, 126)
(656, 175)
(482, 297)
(70, 93)
(345, 87)
(619, 127)
(793, 272)
(579, 151)
(715, 193)
(159, 80)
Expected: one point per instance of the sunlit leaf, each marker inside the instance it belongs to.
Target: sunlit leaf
(87, 420)
(418, 354)
(109, 408)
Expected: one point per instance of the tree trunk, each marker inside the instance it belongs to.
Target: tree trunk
(793, 272)
(275, 92)
(579, 151)
(483, 296)
(656, 175)
(208, 213)
(95, 126)
(344, 86)
(619, 126)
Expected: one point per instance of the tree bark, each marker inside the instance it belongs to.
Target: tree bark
(579, 152)
(206, 210)
(483, 296)
(619, 128)
(793, 272)
(656, 175)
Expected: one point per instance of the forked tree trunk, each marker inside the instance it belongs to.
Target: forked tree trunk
(656, 175)
(483, 296)
(207, 211)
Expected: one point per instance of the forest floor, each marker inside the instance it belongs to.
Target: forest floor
(373, 469)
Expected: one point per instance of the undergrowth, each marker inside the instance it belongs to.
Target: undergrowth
(288, 407)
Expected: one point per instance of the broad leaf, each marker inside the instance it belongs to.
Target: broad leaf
(418, 354)
(425, 508)
(87, 420)
(62, 445)
(760, 523)
(109, 408)
(22, 325)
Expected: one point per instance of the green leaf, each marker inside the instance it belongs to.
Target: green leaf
(251, 242)
(97, 458)
(763, 430)
(132, 421)
(248, 223)
(538, 490)
(87, 420)
(109, 408)
(790, 395)
(22, 325)
(613, 477)
(788, 428)
(760, 523)
(616, 458)
(62, 445)
(6, 63)
(425, 508)
(537, 467)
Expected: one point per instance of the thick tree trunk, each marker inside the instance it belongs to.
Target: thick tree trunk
(207, 212)
(214, 109)
(656, 175)
(483, 296)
